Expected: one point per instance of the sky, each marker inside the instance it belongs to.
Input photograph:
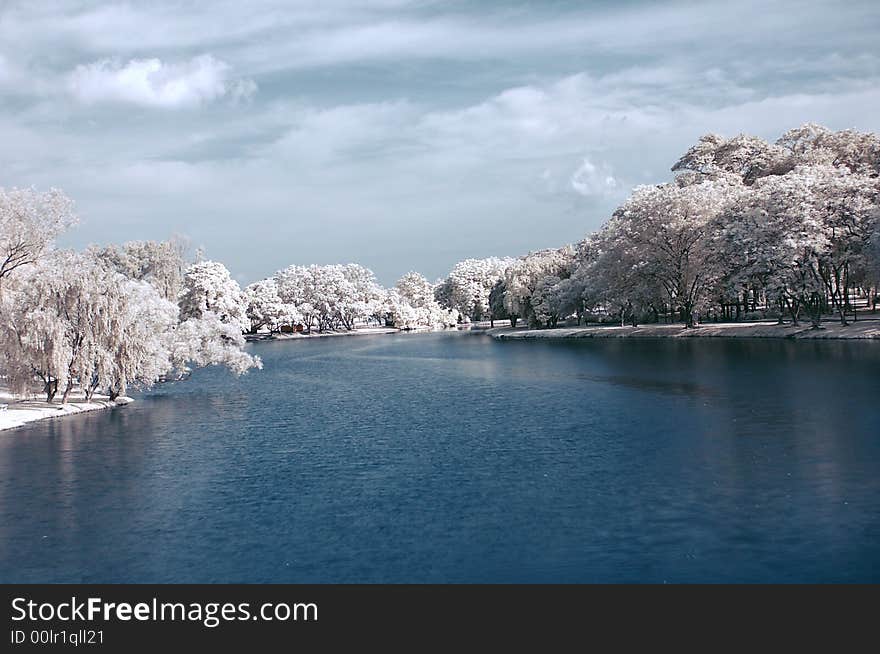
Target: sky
(403, 135)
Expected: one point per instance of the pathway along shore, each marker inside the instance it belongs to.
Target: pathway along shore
(867, 328)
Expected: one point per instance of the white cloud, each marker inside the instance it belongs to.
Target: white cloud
(590, 179)
(374, 139)
(347, 132)
(154, 83)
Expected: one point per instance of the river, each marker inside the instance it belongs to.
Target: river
(452, 457)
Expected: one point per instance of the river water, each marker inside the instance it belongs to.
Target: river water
(453, 457)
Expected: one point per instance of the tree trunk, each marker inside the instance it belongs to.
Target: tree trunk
(50, 389)
(67, 390)
(815, 307)
(687, 314)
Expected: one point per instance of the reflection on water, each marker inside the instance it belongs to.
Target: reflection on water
(651, 385)
(451, 457)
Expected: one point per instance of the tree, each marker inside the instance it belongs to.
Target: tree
(161, 263)
(135, 341)
(497, 310)
(212, 319)
(469, 284)
(265, 308)
(847, 205)
(209, 288)
(295, 287)
(411, 304)
(210, 341)
(335, 296)
(665, 230)
(742, 157)
(74, 322)
(770, 238)
(415, 290)
(550, 300)
(29, 222)
(523, 277)
(613, 275)
(812, 144)
(33, 346)
(363, 296)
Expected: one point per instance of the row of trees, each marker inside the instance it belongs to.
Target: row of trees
(788, 228)
(791, 227)
(341, 297)
(108, 318)
(114, 317)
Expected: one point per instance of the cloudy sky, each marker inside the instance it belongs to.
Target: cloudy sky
(402, 135)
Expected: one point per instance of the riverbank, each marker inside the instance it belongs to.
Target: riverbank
(18, 412)
(862, 329)
(365, 331)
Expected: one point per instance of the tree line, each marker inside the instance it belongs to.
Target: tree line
(110, 318)
(785, 229)
(341, 297)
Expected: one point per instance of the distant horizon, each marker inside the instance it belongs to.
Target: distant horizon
(400, 135)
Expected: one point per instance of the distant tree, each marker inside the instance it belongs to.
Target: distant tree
(531, 273)
(469, 284)
(209, 288)
(416, 290)
(497, 310)
(334, 296)
(265, 307)
(213, 315)
(411, 304)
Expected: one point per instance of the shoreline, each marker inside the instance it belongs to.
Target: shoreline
(367, 331)
(20, 412)
(866, 329)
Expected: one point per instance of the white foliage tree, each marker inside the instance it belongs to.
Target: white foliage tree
(469, 284)
(213, 317)
(334, 296)
(525, 275)
(209, 288)
(665, 230)
(161, 263)
(74, 322)
(411, 305)
(210, 341)
(265, 308)
(29, 223)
